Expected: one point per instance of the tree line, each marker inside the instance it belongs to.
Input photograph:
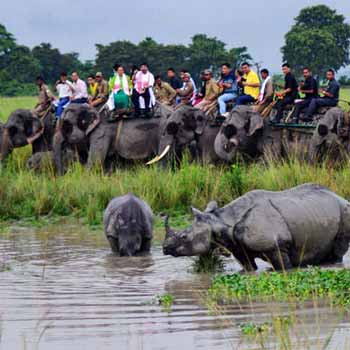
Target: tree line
(319, 39)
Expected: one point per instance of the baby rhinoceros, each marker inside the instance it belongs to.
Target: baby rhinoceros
(306, 225)
(128, 225)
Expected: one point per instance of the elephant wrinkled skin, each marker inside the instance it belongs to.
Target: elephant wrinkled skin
(306, 225)
(23, 128)
(89, 131)
(188, 128)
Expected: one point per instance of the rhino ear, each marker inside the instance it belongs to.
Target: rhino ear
(197, 213)
(212, 206)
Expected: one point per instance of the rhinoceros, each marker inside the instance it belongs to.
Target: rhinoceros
(128, 225)
(305, 225)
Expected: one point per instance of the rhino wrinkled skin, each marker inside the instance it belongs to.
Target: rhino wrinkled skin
(128, 225)
(306, 225)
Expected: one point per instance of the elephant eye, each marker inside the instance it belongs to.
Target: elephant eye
(82, 124)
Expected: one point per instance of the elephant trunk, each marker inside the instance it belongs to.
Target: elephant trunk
(57, 152)
(6, 145)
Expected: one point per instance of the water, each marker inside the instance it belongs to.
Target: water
(61, 288)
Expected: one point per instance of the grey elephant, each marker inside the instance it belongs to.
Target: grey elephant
(331, 136)
(42, 161)
(128, 225)
(23, 128)
(90, 132)
(306, 225)
(188, 128)
(240, 134)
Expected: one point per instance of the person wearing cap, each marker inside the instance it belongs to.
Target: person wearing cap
(211, 91)
(187, 90)
(101, 95)
(45, 98)
(163, 92)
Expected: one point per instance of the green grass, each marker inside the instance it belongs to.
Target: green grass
(297, 286)
(85, 194)
(9, 104)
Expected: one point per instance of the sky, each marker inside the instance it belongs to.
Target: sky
(77, 25)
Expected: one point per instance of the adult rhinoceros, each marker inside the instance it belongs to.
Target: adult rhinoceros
(305, 225)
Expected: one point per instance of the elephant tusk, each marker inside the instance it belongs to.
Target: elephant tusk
(158, 158)
(234, 141)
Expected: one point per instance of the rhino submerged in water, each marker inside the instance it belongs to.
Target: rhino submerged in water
(128, 225)
(306, 225)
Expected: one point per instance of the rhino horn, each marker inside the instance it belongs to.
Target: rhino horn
(168, 231)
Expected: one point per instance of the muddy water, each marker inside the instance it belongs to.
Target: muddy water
(60, 288)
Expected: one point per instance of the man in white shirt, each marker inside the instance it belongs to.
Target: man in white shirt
(64, 89)
(79, 89)
(143, 83)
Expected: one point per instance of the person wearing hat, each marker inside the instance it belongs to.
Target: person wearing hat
(187, 90)
(211, 91)
(101, 95)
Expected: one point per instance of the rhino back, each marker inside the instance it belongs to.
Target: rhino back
(126, 209)
(313, 218)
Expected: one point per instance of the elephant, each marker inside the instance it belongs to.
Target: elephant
(23, 128)
(90, 132)
(188, 128)
(240, 134)
(45, 160)
(305, 225)
(331, 136)
(128, 225)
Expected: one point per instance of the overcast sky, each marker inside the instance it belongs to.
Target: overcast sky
(76, 25)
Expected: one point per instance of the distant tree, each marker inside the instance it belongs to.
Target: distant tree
(7, 41)
(203, 52)
(122, 52)
(320, 39)
(23, 66)
(344, 80)
(49, 59)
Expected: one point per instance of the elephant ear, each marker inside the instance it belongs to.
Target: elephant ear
(329, 123)
(255, 122)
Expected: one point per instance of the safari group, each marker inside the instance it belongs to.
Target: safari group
(135, 94)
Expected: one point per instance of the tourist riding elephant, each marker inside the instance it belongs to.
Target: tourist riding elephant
(306, 225)
(240, 134)
(23, 128)
(188, 128)
(129, 139)
(331, 136)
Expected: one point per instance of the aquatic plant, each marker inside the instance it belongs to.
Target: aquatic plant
(166, 301)
(298, 286)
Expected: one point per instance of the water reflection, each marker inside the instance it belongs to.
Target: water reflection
(63, 289)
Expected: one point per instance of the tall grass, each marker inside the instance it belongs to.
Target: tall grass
(85, 193)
